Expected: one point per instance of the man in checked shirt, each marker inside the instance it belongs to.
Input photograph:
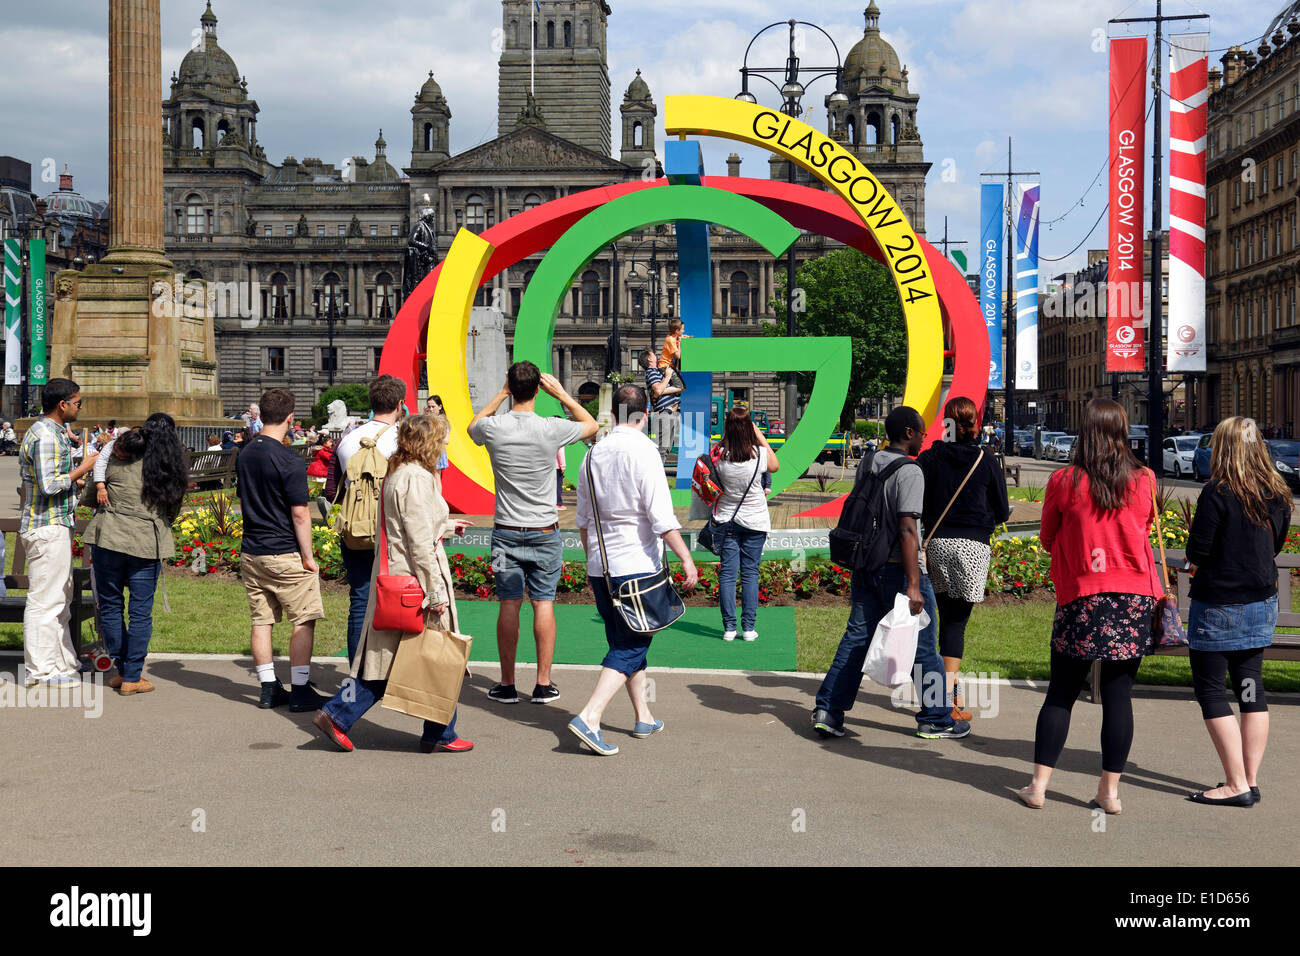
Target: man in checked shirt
(50, 485)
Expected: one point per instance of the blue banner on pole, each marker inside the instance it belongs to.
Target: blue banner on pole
(1027, 287)
(990, 272)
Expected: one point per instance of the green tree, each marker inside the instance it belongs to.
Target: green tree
(848, 293)
(356, 396)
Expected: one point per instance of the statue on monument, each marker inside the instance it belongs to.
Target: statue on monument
(421, 251)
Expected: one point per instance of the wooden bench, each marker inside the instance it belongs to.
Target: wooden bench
(1285, 647)
(212, 468)
(1009, 471)
(13, 605)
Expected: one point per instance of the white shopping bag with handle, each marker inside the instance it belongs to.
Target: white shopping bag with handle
(893, 646)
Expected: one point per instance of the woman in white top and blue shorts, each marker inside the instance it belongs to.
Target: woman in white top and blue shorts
(744, 522)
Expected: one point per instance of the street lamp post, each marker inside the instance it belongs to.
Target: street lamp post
(331, 314)
(792, 91)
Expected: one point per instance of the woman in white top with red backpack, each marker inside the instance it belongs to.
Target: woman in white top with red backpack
(741, 514)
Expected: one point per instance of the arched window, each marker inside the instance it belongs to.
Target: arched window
(568, 33)
(638, 135)
(332, 295)
(851, 122)
(550, 33)
(223, 130)
(279, 296)
(586, 37)
(514, 33)
(428, 137)
(872, 131)
(590, 293)
(195, 215)
(385, 300)
(893, 129)
(528, 277)
(194, 274)
(196, 132)
(474, 217)
(739, 294)
(532, 201)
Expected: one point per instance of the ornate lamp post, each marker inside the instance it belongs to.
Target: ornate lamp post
(792, 91)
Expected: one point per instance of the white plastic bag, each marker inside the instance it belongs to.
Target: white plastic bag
(893, 645)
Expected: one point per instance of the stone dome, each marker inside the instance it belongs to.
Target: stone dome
(871, 53)
(208, 63)
(430, 92)
(637, 91)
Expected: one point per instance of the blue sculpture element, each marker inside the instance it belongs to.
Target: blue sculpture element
(684, 165)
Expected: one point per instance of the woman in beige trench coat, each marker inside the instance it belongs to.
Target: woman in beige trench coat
(416, 519)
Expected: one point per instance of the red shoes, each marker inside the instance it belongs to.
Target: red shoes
(331, 731)
(458, 746)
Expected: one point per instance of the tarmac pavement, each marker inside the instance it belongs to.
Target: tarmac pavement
(194, 774)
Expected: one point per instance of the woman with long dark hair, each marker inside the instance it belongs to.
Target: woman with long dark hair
(1097, 517)
(744, 519)
(965, 499)
(1241, 523)
(130, 536)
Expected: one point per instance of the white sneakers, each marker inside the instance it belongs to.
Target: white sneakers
(728, 635)
(750, 635)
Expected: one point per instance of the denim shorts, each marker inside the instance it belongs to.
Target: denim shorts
(531, 558)
(627, 649)
(1231, 627)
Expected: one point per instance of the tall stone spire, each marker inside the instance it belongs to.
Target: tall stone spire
(135, 181)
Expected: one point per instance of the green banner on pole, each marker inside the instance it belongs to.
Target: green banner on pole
(39, 367)
(13, 313)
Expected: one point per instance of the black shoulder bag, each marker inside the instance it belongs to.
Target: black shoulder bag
(647, 603)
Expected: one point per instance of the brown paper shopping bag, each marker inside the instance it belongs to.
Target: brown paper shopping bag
(427, 673)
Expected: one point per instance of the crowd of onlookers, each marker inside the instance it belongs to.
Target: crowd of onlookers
(937, 510)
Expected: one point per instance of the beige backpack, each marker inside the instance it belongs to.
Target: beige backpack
(358, 520)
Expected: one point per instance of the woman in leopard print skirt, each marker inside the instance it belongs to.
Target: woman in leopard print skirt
(965, 499)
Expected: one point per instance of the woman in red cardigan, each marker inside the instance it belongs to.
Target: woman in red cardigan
(1097, 517)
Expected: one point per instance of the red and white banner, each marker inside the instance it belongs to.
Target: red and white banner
(1125, 323)
(1188, 92)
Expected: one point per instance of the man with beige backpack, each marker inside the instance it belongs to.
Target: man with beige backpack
(355, 476)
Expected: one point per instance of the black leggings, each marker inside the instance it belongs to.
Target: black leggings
(1068, 675)
(953, 616)
(1247, 669)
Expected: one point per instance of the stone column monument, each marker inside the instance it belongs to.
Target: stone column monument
(120, 329)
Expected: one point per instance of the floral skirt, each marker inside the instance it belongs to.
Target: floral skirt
(1105, 627)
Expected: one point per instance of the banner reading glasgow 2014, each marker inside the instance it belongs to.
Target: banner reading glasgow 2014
(39, 370)
(990, 270)
(13, 313)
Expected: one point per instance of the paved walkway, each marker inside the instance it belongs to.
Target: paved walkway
(734, 779)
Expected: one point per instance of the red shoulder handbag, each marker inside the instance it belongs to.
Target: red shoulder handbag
(398, 598)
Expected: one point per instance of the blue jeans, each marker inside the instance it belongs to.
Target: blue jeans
(739, 552)
(356, 565)
(365, 694)
(873, 597)
(114, 572)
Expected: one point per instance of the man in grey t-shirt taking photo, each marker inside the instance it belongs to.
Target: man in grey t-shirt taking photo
(526, 546)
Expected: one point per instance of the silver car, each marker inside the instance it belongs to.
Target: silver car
(1059, 448)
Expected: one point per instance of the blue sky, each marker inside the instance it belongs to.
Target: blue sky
(328, 73)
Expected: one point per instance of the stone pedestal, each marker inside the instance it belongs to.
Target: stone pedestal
(486, 357)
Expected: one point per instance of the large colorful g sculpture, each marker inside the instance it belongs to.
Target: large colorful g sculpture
(433, 323)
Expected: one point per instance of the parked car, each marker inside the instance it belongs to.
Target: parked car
(1059, 448)
(1023, 443)
(1286, 459)
(1201, 459)
(1042, 441)
(1178, 453)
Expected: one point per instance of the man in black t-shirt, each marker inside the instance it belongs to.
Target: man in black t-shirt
(277, 565)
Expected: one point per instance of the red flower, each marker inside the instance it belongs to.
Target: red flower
(187, 548)
(482, 590)
(212, 568)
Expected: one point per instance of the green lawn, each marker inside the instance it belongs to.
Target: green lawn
(211, 616)
(1027, 493)
(809, 486)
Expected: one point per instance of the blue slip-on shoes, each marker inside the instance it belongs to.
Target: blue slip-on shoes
(642, 731)
(591, 738)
